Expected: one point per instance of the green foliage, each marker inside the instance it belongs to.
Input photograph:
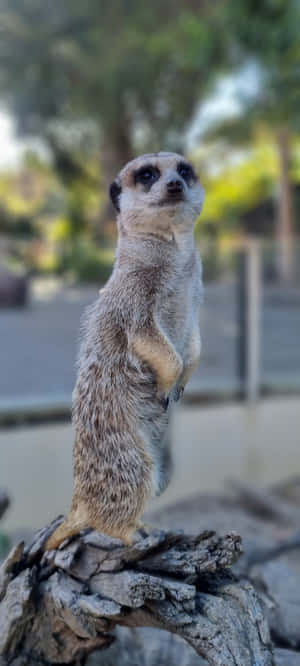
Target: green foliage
(238, 187)
(268, 31)
(85, 262)
(103, 81)
(20, 226)
(54, 226)
(117, 64)
(25, 194)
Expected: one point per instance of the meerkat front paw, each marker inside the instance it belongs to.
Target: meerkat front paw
(164, 400)
(178, 393)
(166, 381)
(168, 375)
(157, 351)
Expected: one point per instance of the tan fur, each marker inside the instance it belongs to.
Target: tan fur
(141, 343)
(158, 352)
(193, 349)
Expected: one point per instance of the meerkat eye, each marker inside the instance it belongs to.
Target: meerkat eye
(147, 175)
(185, 171)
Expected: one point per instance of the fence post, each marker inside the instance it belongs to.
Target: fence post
(249, 303)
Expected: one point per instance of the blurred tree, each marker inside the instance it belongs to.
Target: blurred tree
(238, 186)
(124, 74)
(268, 31)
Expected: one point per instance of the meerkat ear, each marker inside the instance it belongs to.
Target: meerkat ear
(114, 193)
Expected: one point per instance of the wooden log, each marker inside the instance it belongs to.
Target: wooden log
(267, 504)
(279, 579)
(59, 606)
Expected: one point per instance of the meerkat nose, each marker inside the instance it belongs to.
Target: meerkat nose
(174, 186)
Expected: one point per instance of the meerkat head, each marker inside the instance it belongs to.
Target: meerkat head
(157, 193)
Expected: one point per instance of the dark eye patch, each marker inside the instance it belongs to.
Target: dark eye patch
(186, 171)
(115, 191)
(146, 175)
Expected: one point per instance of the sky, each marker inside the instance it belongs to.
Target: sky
(12, 146)
(226, 101)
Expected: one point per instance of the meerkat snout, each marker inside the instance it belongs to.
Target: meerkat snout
(175, 189)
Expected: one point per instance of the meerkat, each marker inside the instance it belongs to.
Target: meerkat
(141, 344)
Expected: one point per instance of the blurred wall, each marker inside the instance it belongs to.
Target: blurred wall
(211, 445)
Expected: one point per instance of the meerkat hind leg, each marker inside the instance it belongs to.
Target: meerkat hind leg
(67, 530)
(127, 536)
(145, 529)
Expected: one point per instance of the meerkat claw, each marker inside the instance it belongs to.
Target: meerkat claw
(144, 529)
(178, 393)
(165, 400)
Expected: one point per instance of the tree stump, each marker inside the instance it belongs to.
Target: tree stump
(56, 607)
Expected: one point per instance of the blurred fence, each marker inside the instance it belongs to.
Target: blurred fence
(250, 326)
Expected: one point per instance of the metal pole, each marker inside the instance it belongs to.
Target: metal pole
(242, 320)
(249, 306)
(253, 319)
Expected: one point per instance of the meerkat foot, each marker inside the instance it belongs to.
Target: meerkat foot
(128, 536)
(144, 528)
(164, 400)
(134, 533)
(67, 530)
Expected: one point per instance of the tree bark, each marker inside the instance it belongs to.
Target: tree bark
(116, 151)
(285, 213)
(58, 606)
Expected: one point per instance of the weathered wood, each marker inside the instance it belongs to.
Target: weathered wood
(59, 606)
(279, 579)
(267, 504)
(145, 646)
(6, 570)
(16, 612)
(286, 658)
(268, 520)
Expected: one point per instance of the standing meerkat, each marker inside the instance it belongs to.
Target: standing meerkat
(141, 344)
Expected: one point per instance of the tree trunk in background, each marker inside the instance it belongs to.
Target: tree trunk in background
(285, 221)
(115, 152)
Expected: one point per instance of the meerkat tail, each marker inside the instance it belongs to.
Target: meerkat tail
(66, 530)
